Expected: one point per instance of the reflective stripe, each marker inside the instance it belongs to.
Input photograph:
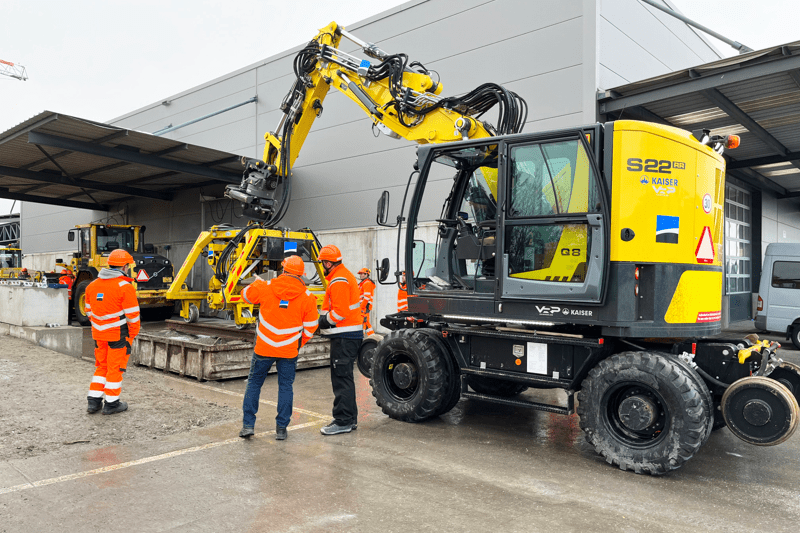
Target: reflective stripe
(345, 329)
(404, 300)
(131, 310)
(308, 292)
(123, 283)
(244, 295)
(336, 280)
(113, 384)
(108, 326)
(336, 316)
(278, 344)
(275, 330)
(308, 333)
(95, 394)
(98, 379)
(132, 320)
(308, 324)
(355, 306)
(106, 317)
(110, 398)
(88, 306)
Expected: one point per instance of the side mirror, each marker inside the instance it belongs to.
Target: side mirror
(383, 208)
(71, 236)
(383, 270)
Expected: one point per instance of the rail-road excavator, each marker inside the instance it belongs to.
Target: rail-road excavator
(585, 259)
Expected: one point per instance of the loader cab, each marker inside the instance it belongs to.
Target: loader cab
(525, 219)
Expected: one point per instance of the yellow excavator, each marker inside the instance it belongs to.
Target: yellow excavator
(400, 96)
(586, 259)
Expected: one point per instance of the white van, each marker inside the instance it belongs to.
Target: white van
(779, 293)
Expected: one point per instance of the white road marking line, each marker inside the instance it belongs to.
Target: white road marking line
(145, 460)
(240, 395)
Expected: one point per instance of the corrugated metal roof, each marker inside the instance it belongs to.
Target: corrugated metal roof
(62, 160)
(754, 95)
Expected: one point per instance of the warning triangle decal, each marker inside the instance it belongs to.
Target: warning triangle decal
(142, 276)
(705, 248)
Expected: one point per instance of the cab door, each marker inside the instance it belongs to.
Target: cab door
(554, 220)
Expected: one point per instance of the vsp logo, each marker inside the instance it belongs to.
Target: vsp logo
(661, 190)
(546, 310)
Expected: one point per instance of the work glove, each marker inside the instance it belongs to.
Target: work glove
(325, 322)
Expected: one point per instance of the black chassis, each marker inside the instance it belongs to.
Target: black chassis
(491, 350)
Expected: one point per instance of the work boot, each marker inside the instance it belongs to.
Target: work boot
(280, 433)
(334, 429)
(247, 432)
(95, 404)
(114, 407)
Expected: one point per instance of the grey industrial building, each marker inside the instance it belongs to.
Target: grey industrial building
(568, 59)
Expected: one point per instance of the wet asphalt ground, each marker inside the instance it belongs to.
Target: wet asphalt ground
(481, 467)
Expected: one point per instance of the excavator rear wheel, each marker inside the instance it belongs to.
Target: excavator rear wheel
(642, 412)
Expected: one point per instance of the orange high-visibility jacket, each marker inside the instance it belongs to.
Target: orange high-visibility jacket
(287, 316)
(112, 307)
(402, 298)
(367, 288)
(342, 301)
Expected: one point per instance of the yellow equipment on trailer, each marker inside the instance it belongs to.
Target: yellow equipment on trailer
(236, 255)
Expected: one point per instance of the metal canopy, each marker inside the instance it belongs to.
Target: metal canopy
(62, 160)
(754, 95)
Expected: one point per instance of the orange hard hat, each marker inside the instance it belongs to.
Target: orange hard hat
(64, 272)
(330, 253)
(120, 258)
(24, 270)
(366, 271)
(294, 265)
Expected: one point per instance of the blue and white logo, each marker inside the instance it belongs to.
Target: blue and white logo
(667, 228)
(289, 247)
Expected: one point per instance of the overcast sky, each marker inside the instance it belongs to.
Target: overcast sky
(99, 59)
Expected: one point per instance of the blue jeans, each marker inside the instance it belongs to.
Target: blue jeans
(259, 366)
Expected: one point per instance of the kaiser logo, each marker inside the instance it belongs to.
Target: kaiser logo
(644, 180)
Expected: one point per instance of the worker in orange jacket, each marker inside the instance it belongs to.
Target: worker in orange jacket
(287, 319)
(341, 321)
(113, 310)
(367, 288)
(67, 279)
(402, 294)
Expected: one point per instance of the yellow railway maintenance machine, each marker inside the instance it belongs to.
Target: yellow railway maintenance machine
(236, 255)
(10, 262)
(588, 260)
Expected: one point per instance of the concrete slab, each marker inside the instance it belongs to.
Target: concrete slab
(62, 339)
(481, 467)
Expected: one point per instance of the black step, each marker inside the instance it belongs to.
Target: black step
(558, 409)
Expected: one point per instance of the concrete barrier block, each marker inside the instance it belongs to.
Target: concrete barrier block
(33, 306)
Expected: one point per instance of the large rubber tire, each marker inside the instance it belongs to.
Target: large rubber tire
(78, 301)
(705, 394)
(679, 422)
(408, 376)
(495, 387)
(365, 355)
(796, 336)
(452, 374)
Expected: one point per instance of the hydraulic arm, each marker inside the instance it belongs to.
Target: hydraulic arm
(401, 97)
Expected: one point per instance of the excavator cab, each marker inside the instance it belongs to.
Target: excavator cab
(525, 219)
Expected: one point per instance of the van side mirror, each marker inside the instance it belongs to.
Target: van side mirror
(383, 208)
(383, 270)
(71, 236)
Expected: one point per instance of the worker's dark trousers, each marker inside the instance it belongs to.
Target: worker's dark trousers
(343, 356)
